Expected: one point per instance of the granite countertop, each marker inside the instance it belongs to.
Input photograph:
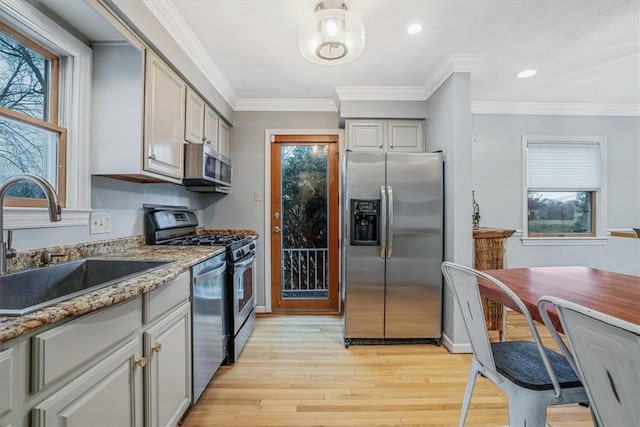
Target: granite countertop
(183, 257)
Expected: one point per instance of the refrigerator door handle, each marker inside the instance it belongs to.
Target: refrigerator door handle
(390, 220)
(383, 224)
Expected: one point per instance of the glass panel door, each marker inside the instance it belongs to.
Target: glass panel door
(303, 220)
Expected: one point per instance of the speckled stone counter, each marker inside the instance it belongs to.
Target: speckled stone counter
(244, 232)
(183, 257)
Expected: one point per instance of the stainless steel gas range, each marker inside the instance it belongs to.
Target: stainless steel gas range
(223, 303)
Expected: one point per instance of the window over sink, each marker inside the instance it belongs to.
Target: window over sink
(45, 79)
(30, 139)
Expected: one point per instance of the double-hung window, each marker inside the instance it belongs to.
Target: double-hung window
(31, 141)
(45, 115)
(565, 187)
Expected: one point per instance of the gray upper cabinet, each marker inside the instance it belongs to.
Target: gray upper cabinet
(201, 121)
(138, 107)
(164, 112)
(224, 134)
(386, 135)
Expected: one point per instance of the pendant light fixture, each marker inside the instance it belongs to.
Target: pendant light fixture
(331, 35)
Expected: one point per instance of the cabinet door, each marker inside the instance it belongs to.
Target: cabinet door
(211, 127)
(365, 136)
(164, 119)
(168, 374)
(224, 133)
(194, 118)
(109, 394)
(406, 136)
(7, 368)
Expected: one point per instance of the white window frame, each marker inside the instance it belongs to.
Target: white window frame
(74, 113)
(600, 195)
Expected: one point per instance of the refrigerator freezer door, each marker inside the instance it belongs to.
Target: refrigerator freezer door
(362, 264)
(414, 280)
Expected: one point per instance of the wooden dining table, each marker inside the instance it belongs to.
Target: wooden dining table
(615, 294)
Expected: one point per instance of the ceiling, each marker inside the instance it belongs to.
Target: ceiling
(586, 52)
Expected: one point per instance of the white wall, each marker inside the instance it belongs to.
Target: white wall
(449, 130)
(123, 200)
(497, 180)
(247, 151)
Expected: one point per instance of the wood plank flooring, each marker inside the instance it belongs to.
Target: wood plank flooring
(295, 371)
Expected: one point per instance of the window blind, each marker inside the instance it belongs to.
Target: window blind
(563, 166)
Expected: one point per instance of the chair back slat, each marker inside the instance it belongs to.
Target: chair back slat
(464, 285)
(606, 352)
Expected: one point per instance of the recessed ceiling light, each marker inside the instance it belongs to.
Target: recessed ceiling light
(526, 73)
(414, 28)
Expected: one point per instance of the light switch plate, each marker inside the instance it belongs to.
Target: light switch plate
(99, 223)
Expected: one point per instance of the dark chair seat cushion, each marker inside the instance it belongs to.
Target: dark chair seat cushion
(520, 362)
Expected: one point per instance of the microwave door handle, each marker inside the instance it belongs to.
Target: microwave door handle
(390, 238)
(383, 224)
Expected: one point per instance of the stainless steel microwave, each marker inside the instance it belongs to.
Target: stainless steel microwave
(206, 170)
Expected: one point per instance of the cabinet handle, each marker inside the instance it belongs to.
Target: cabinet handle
(157, 348)
(204, 139)
(391, 146)
(209, 141)
(152, 157)
(380, 146)
(142, 362)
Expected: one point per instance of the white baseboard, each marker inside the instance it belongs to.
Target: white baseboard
(261, 309)
(455, 347)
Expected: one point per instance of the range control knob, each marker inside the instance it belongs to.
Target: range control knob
(240, 253)
(252, 246)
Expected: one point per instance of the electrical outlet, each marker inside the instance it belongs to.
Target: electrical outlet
(257, 196)
(99, 223)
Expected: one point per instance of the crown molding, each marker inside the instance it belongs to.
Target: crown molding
(173, 22)
(555, 109)
(453, 63)
(380, 93)
(286, 104)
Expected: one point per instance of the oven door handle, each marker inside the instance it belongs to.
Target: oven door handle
(242, 264)
(201, 277)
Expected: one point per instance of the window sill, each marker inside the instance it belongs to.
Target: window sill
(25, 218)
(563, 241)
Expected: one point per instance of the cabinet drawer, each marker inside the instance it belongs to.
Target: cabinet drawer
(7, 360)
(162, 299)
(65, 348)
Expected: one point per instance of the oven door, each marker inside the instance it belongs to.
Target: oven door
(244, 290)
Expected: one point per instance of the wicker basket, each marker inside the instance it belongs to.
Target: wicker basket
(489, 254)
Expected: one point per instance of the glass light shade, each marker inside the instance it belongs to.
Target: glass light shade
(331, 36)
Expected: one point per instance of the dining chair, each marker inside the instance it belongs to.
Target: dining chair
(605, 352)
(532, 376)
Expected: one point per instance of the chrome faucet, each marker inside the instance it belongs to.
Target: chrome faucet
(55, 211)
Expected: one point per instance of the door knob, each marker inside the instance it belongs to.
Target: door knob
(276, 229)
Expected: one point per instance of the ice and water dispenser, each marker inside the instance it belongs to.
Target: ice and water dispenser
(365, 222)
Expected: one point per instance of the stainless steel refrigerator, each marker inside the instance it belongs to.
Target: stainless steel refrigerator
(392, 247)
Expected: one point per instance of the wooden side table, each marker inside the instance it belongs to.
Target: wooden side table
(489, 250)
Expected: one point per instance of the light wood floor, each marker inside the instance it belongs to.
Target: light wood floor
(295, 371)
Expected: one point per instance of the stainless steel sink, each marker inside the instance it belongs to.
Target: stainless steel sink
(29, 290)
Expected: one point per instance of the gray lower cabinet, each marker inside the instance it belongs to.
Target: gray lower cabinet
(168, 371)
(109, 394)
(7, 387)
(124, 365)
